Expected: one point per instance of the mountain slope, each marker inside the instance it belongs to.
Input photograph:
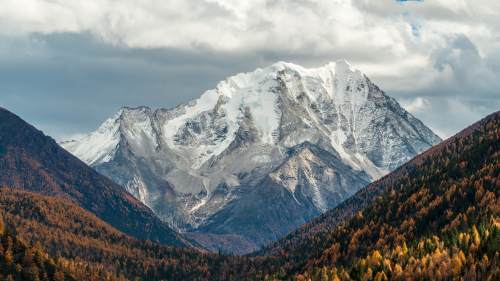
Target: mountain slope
(427, 207)
(193, 163)
(19, 261)
(322, 181)
(32, 161)
(90, 249)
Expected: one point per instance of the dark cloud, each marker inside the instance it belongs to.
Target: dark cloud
(469, 71)
(464, 88)
(67, 83)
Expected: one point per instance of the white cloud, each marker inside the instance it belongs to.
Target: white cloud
(369, 31)
(429, 49)
(416, 105)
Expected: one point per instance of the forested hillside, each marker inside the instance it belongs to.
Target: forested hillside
(19, 261)
(91, 249)
(437, 219)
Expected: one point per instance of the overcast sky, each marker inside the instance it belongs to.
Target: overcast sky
(66, 65)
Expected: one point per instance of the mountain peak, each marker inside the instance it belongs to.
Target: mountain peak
(341, 66)
(127, 109)
(332, 64)
(197, 159)
(342, 62)
(283, 65)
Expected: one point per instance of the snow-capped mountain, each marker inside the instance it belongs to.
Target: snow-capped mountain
(307, 138)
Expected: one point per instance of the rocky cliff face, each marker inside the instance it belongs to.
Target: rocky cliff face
(271, 148)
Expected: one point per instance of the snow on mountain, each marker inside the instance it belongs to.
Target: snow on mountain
(309, 182)
(200, 159)
(98, 147)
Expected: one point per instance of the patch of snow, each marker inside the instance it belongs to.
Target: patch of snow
(233, 96)
(137, 188)
(261, 159)
(100, 146)
(200, 204)
(371, 169)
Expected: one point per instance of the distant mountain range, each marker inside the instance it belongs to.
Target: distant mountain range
(259, 155)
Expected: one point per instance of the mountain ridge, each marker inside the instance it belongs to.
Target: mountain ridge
(190, 162)
(32, 161)
(449, 188)
(361, 199)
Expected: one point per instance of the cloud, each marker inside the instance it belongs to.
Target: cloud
(462, 70)
(416, 105)
(69, 83)
(80, 60)
(367, 32)
(214, 24)
(447, 116)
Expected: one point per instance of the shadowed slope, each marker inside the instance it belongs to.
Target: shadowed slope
(32, 161)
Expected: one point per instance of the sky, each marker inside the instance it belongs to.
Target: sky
(67, 65)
